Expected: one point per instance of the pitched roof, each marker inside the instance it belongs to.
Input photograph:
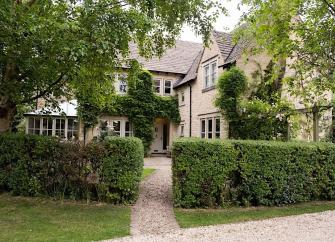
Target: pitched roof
(193, 71)
(230, 51)
(225, 42)
(177, 59)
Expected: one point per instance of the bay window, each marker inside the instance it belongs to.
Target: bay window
(65, 128)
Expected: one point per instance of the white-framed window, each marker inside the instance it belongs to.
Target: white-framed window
(123, 85)
(34, 125)
(167, 87)
(120, 83)
(66, 128)
(210, 74)
(157, 86)
(47, 124)
(60, 127)
(72, 128)
(210, 128)
(203, 128)
(116, 127)
(128, 130)
(182, 130)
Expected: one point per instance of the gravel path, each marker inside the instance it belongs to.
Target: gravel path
(307, 227)
(153, 211)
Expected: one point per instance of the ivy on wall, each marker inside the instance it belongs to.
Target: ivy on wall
(260, 114)
(141, 105)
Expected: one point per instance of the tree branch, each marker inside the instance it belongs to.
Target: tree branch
(330, 6)
(47, 90)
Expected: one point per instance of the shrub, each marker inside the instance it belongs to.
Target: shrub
(33, 165)
(251, 172)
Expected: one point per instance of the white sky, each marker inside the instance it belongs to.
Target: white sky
(223, 23)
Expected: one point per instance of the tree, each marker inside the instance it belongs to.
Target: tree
(48, 48)
(302, 31)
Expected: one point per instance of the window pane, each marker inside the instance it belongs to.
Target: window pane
(182, 131)
(210, 125)
(127, 126)
(37, 123)
(31, 123)
(116, 125)
(203, 128)
(122, 83)
(57, 123)
(167, 87)
(203, 125)
(206, 72)
(70, 124)
(213, 73)
(217, 128)
(157, 86)
(210, 128)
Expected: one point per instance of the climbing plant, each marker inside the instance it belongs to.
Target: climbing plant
(261, 114)
(141, 105)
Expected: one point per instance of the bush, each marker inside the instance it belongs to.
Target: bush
(33, 165)
(218, 173)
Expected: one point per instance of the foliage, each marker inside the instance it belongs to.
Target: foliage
(44, 166)
(231, 85)
(201, 172)
(260, 115)
(47, 48)
(141, 105)
(219, 173)
(303, 31)
(60, 221)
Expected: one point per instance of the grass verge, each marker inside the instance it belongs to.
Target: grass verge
(37, 219)
(147, 172)
(188, 218)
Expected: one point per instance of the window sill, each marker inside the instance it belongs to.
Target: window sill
(207, 89)
(182, 105)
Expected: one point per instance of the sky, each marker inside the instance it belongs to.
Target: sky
(223, 23)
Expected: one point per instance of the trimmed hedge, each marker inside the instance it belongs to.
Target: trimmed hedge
(219, 173)
(32, 165)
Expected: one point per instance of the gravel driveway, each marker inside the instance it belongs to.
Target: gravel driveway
(153, 219)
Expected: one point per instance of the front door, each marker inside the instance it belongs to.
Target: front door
(157, 145)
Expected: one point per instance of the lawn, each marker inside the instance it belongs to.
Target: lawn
(37, 219)
(147, 172)
(203, 217)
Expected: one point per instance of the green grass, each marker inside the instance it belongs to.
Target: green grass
(37, 219)
(147, 172)
(203, 217)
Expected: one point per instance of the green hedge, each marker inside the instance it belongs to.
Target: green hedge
(219, 173)
(33, 165)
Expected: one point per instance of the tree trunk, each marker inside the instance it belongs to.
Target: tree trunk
(7, 113)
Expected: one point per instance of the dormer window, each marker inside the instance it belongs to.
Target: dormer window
(210, 74)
